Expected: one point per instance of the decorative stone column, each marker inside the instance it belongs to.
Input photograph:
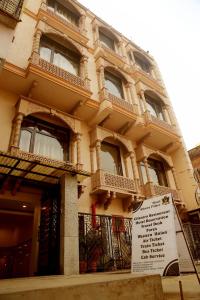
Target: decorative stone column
(72, 148)
(143, 99)
(84, 70)
(98, 154)
(122, 50)
(133, 93)
(36, 41)
(175, 178)
(132, 57)
(92, 159)
(101, 78)
(96, 32)
(17, 128)
(166, 115)
(82, 24)
(133, 164)
(69, 243)
(126, 165)
(169, 112)
(78, 143)
(147, 169)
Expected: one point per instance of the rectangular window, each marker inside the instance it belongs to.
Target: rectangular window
(63, 12)
(106, 41)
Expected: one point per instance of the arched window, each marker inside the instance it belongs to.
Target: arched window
(157, 172)
(114, 85)
(155, 108)
(107, 40)
(142, 62)
(40, 137)
(60, 56)
(63, 11)
(110, 158)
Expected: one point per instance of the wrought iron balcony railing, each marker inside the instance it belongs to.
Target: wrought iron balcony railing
(12, 7)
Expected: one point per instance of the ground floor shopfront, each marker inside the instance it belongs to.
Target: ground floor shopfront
(42, 231)
(38, 217)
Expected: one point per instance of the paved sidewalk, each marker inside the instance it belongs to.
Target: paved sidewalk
(191, 287)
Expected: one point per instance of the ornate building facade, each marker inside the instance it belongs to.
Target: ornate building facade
(87, 130)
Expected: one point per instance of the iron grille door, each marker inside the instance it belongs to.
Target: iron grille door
(49, 233)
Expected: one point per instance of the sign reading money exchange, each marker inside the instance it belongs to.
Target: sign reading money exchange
(154, 247)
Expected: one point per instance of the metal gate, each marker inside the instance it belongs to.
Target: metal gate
(192, 232)
(104, 243)
(49, 232)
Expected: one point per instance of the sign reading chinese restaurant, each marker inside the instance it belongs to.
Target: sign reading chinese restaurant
(154, 247)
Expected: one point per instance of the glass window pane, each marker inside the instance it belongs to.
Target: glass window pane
(144, 65)
(157, 172)
(151, 109)
(143, 172)
(106, 41)
(25, 140)
(66, 14)
(110, 158)
(45, 53)
(51, 4)
(65, 63)
(48, 146)
(114, 85)
(154, 176)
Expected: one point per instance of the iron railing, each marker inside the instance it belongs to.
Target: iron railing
(12, 7)
(104, 243)
(192, 232)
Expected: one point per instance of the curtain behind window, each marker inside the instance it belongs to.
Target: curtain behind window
(48, 146)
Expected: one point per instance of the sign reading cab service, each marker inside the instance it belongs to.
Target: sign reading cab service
(154, 247)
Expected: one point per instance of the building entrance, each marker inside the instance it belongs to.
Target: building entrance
(29, 230)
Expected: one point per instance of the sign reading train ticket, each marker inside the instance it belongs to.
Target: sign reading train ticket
(154, 247)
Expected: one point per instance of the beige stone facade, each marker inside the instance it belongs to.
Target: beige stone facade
(84, 109)
(194, 155)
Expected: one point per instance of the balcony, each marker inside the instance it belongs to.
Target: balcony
(78, 33)
(61, 84)
(10, 11)
(117, 102)
(150, 190)
(114, 113)
(108, 54)
(151, 120)
(56, 71)
(147, 79)
(161, 135)
(103, 181)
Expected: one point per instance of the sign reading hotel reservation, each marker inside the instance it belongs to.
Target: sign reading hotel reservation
(154, 247)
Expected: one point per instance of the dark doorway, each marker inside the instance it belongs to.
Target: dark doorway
(49, 232)
(16, 228)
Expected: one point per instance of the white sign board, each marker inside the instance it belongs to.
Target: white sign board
(154, 237)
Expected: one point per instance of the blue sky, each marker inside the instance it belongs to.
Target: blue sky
(170, 31)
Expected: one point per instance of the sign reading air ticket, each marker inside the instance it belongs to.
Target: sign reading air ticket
(154, 248)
